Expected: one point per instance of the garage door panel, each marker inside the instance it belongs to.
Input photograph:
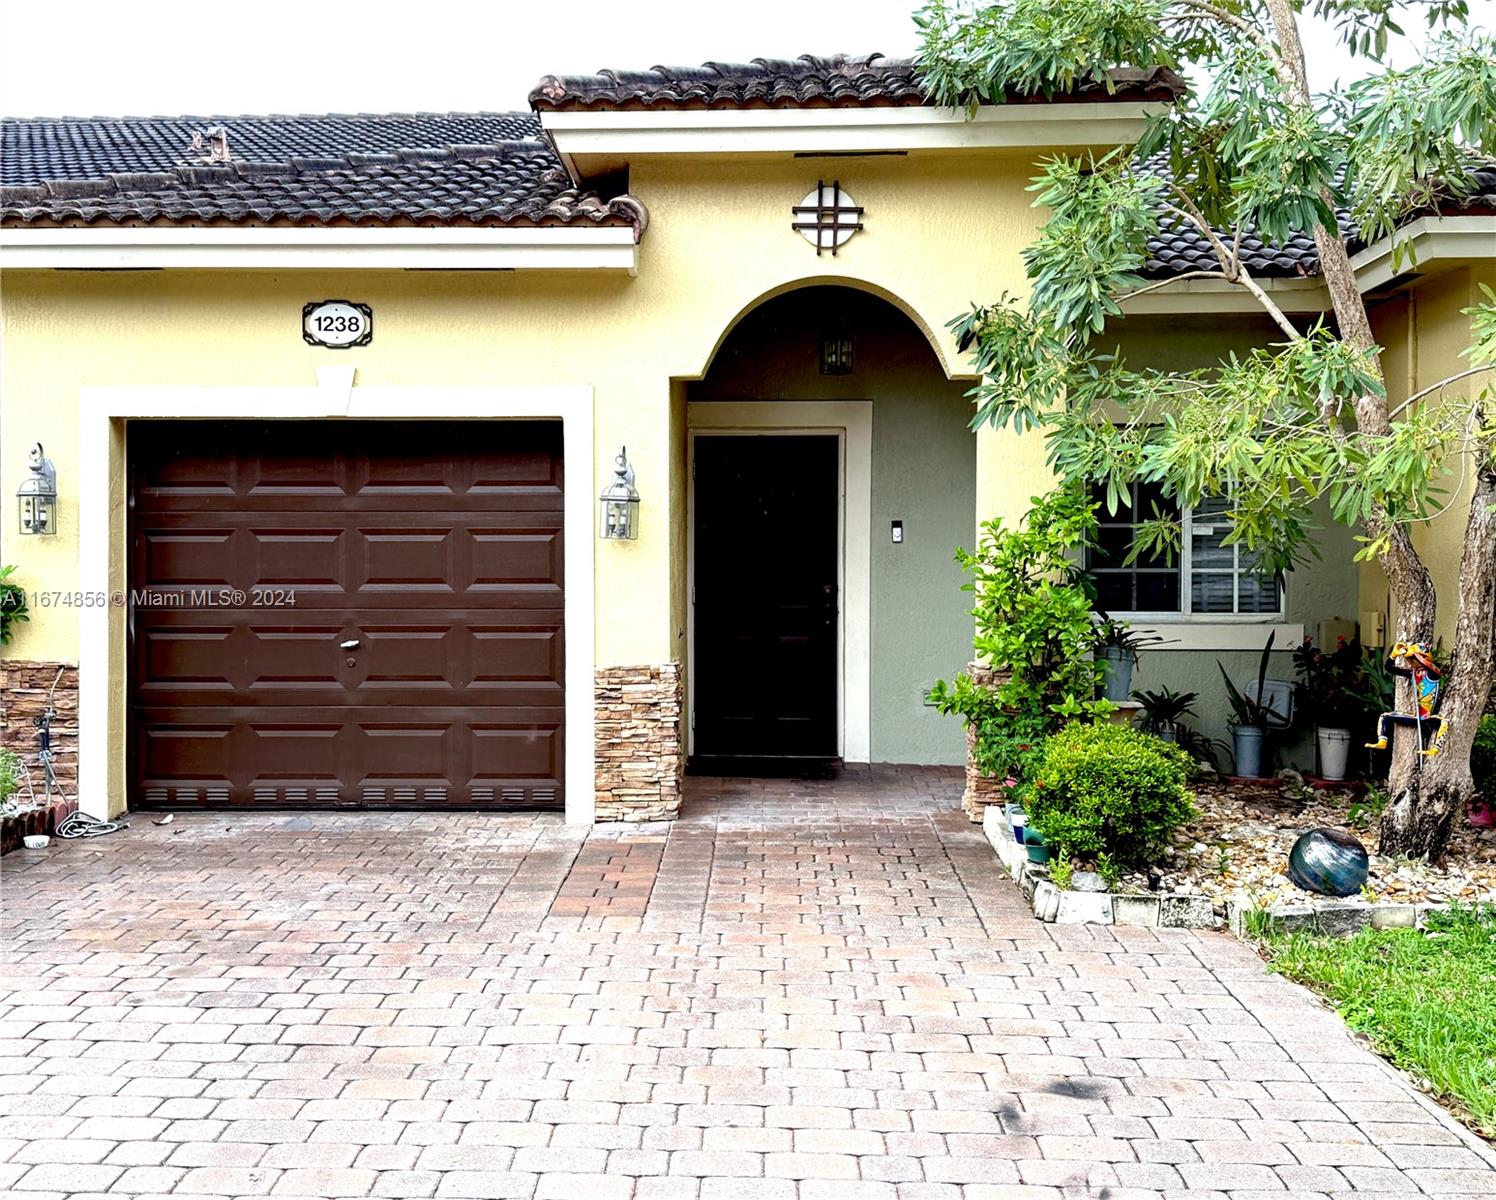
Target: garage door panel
(310, 473)
(517, 657)
(440, 556)
(190, 658)
(184, 557)
(508, 754)
(365, 752)
(281, 557)
(421, 559)
(500, 558)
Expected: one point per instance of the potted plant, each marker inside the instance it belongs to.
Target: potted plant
(1330, 686)
(1164, 709)
(1117, 646)
(1253, 716)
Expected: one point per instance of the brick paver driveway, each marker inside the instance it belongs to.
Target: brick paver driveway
(817, 991)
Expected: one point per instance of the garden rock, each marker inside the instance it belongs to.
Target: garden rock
(1087, 881)
(1046, 900)
(1185, 912)
(1394, 916)
(1135, 910)
(1084, 908)
(1342, 920)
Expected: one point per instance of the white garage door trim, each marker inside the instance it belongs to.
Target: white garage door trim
(101, 635)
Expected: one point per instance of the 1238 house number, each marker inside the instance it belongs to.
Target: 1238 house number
(337, 324)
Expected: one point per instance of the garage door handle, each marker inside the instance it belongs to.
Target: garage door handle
(350, 645)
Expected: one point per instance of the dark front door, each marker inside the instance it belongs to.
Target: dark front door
(346, 613)
(764, 672)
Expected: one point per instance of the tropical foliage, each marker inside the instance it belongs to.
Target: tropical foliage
(1293, 426)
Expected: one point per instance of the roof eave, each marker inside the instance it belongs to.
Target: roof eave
(1427, 245)
(584, 137)
(479, 247)
(1430, 244)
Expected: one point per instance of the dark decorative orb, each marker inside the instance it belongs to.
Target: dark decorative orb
(1328, 862)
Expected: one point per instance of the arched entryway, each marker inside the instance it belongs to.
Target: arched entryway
(831, 476)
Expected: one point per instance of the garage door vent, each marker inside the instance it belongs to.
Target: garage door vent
(481, 795)
(542, 795)
(155, 796)
(434, 795)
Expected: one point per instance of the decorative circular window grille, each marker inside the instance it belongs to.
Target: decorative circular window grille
(827, 217)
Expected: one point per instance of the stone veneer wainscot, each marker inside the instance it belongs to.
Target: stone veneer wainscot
(640, 758)
(25, 687)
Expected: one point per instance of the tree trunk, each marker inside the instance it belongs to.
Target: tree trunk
(1429, 794)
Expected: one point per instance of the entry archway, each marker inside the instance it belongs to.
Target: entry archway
(831, 474)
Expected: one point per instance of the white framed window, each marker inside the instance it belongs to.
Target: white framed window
(1207, 579)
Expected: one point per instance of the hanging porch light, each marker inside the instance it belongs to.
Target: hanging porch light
(619, 502)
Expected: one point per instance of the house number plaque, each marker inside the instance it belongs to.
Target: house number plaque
(337, 324)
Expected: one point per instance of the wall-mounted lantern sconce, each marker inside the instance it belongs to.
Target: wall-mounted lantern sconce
(836, 352)
(620, 502)
(38, 495)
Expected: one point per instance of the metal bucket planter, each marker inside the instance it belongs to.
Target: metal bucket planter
(1247, 744)
(1117, 663)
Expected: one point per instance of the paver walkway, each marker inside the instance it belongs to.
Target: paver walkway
(816, 991)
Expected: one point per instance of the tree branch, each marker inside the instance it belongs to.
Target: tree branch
(1153, 287)
(1440, 386)
(1238, 23)
(1273, 310)
(1193, 216)
(1232, 269)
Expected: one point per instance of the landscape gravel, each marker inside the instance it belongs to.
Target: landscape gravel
(1238, 843)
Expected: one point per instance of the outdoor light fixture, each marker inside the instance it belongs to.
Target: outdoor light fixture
(836, 353)
(620, 502)
(38, 495)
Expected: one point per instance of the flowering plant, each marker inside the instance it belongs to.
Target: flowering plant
(1331, 683)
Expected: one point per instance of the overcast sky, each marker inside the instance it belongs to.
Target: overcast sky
(102, 57)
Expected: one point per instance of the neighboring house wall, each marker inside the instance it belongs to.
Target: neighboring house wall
(1424, 334)
(924, 474)
(1323, 589)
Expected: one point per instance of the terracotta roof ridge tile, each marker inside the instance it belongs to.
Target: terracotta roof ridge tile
(872, 79)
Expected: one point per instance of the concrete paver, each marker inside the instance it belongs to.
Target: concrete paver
(801, 989)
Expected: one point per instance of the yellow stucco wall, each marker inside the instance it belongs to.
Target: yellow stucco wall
(939, 231)
(1424, 334)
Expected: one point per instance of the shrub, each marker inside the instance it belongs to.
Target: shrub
(1034, 621)
(1108, 788)
(1008, 747)
(1483, 758)
(10, 774)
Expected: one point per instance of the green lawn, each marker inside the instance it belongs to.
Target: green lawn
(1427, 1000)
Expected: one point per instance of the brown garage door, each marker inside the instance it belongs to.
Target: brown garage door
(435, 547)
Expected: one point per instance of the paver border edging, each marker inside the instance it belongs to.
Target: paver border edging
(1324, 915)
(1164, 910)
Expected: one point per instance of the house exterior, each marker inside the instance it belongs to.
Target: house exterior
(292, 573)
